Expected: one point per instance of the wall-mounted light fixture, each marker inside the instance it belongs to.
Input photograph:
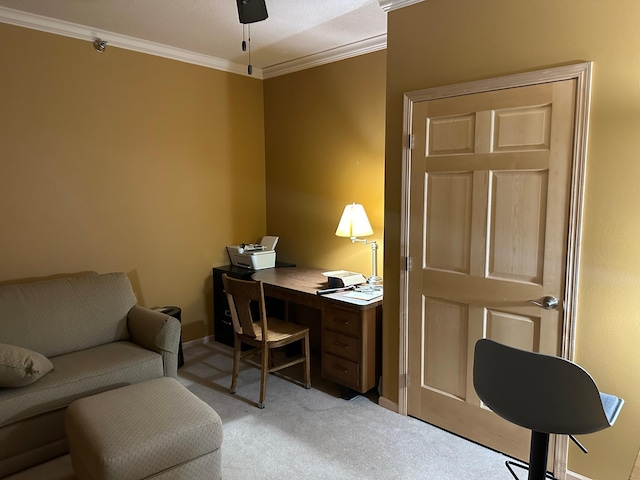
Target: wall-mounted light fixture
(354, 223)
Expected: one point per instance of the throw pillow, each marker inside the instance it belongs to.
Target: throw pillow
(20, 366)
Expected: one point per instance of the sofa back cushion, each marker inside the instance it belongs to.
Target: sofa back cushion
(65, 315)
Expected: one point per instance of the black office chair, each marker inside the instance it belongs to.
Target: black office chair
(542, 393)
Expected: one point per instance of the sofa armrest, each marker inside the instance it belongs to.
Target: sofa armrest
(158, 332)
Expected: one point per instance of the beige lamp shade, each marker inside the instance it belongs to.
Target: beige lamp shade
(354, 222)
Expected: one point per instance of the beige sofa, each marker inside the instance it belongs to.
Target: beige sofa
(71, 337)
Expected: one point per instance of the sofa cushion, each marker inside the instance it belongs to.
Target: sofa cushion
(65, 315)
(20, 366)
(77, 375)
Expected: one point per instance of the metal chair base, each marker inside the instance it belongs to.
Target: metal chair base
(538, 455)
(511, 464)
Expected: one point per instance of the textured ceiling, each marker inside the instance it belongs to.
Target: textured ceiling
(295, 29)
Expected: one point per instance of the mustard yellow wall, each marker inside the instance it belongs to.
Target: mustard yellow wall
(440, 42)
(325, 149)
(122, 161)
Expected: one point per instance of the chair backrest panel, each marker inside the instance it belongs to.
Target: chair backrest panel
(241, 294)
(540, 392)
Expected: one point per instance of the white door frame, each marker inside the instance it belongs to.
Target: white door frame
(581, 72)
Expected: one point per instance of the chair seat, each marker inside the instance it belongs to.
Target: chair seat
(278, 330)
(612, 406)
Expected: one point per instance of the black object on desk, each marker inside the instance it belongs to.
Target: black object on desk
(222, 325)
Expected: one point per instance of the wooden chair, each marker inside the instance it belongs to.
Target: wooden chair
(263, 333)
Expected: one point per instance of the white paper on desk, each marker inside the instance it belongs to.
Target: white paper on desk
(341, 296)
(365, 295)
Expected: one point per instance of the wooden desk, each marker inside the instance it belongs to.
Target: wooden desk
(347, 335)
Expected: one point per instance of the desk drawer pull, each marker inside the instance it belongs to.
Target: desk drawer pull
(342, 346)
(343, 325)
(347, 322)
(340, 369)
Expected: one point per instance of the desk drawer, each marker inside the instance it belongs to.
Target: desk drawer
(342, 320)
(340, 345)
(341, 371)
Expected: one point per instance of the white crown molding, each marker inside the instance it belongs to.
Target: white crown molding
(329, 56)
(81, 32)
(390, 5)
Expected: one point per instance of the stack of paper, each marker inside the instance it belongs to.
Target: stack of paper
(365, 293)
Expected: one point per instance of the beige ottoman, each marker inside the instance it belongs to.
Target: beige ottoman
(156, 429)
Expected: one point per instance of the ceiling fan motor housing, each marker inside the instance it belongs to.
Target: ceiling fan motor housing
(251, 11)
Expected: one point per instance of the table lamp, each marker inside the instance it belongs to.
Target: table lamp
(354, 223)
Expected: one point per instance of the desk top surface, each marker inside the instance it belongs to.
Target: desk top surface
(307, 281)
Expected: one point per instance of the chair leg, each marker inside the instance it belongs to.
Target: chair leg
(307, 363)
(538, 455)
(263, 376)
(236, 363)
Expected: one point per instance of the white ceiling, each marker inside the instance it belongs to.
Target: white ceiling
(298, 33)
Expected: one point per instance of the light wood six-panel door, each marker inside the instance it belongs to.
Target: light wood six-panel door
(489, 211)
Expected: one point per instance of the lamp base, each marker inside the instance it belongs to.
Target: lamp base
(374, 280)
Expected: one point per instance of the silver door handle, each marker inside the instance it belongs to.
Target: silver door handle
(548, 302)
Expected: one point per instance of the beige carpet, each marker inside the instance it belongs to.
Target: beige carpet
(314, 434)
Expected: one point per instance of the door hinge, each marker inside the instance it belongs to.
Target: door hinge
(405, 380)
(410, 141)
(407, 264)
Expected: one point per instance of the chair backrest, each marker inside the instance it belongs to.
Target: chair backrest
(540, 392)
(242, 294)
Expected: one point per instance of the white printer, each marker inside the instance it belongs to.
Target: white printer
(256, 256)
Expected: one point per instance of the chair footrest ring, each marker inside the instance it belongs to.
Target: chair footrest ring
(510, 463)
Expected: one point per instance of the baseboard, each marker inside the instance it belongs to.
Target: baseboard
(576, 476)
(198, 341)
(388, 404)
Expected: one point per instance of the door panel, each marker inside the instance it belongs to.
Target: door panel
(449, 211)
(451, 135)
(488, 207)
(445, 332)
(519, 331)
(517, 225)
(522, 129)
